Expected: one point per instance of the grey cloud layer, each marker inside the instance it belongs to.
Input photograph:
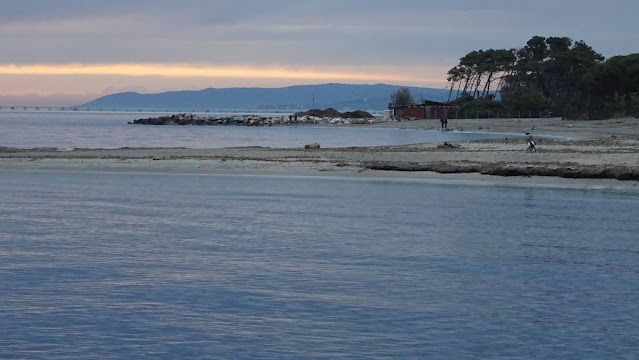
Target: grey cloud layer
(300, 33)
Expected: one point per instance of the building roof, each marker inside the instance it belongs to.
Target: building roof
(435, 103)
(424, 103)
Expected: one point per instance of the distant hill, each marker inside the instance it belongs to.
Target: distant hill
(343, 97)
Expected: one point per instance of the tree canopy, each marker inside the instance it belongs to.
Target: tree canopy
(612, 87)
(555, 74)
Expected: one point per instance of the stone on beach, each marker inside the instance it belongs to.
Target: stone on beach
(312, 146)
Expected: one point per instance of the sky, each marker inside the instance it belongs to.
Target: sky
(67, 52)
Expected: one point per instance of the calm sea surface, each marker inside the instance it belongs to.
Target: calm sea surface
(24, 129)
(137, 266)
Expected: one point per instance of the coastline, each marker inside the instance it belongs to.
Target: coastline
(600, 153)
(300, 169)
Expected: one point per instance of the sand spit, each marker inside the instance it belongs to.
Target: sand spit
(599, 150)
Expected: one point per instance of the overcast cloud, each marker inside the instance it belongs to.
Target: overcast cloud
(293, 34)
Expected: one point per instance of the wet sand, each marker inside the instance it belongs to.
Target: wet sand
(604, 150)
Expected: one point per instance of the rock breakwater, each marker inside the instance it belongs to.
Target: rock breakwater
(359, 117)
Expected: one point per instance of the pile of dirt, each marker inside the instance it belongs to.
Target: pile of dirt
(357, 114)
(332, 113)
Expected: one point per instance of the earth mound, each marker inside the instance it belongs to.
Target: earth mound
(332, 113)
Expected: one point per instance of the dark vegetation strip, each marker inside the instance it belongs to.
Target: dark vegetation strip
(573, 172)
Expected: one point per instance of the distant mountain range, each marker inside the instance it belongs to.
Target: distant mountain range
(343, 97)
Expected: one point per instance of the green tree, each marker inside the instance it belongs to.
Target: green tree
(497, 64)
(555, 74)
(402, 97)
(611, 88)
(480, 67)
(551, 68)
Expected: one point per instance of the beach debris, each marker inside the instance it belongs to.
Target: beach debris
(312, 146)
(447, 145)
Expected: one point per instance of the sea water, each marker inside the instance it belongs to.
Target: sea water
(67, 129)
(159, 266)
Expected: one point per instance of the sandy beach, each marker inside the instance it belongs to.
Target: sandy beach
(597, 153)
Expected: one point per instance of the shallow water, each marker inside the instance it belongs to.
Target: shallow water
(134, 266)
(23, 129)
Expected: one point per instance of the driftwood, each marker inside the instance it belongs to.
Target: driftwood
(447, 145)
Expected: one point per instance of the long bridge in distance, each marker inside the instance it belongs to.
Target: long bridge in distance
(35, 108)
(45, 108)
(60, 108)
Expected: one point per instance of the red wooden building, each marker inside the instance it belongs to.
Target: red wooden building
(426, 110)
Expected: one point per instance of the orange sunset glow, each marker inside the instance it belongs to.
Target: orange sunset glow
(186, 71)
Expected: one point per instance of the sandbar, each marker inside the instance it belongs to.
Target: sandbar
(583, 153)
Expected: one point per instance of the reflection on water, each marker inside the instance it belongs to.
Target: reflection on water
(182, 266)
